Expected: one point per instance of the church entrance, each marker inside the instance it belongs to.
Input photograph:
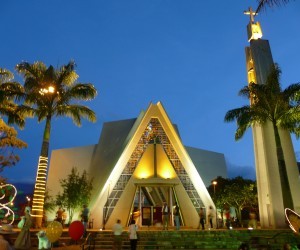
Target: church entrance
(151, 215)
(148, 201)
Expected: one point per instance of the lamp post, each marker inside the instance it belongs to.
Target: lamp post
(214, 183)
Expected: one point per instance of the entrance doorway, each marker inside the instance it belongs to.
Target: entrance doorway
(148, 201)
(151, 216)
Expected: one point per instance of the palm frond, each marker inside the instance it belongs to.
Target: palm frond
(80, 91)
(76, 112)
(44, 103)
(5, 75)
(31, 70)
(268, 103)
(292, 92)
(10, 91)
(262, 4)
(67, 74)
(234, 114)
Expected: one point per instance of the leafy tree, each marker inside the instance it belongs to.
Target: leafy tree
(49, 93)
(3, 180)
(217, 193)
(269, 104)
(238, 193)
(8, 143)
(49, 202)
(9, 91)
(76, 192)
(241, 194)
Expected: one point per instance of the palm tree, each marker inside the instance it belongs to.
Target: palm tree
(262, 3)
(269, 103)
(9, 92)
(51, 92)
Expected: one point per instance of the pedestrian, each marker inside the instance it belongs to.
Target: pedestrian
(228, 220)
(5, 241)
(64, 217)
(117, 230)
(202, 218)
(165, 216)
(23, 240)
(85, 217)
(176, 216)
(59, 214)
(252, 220)
(211, 216)
(132, 230)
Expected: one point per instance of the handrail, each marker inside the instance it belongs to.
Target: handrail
(89, 242)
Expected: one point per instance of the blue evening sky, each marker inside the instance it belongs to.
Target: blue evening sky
(188, 54)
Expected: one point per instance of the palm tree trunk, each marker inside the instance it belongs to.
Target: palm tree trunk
(41, 178)
(285, 186)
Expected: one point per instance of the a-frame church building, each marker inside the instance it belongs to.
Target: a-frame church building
(136, 165)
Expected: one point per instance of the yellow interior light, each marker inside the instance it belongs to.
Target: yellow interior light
(254, 31)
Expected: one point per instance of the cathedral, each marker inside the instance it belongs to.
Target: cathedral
(136, 166)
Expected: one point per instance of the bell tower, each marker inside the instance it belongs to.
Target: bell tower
(270, 191)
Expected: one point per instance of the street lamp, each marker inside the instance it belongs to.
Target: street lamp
(214, 183)
(28, 200)
(49, 90)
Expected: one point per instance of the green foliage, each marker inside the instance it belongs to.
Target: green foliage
(9, 92)
(270, 105)
(8, 143)
(49, 202)
(271, 3)
(237, 192)
(76, 192)
(53, 92)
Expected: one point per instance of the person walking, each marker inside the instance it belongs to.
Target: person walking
(176, 216)
(202, 218)
(117, 230)
(23, 240)
(165, 216)
(252, 220)
(132, 230)
(59, 214)
(211, 216)
(64, 217)
(85, 217)
(5, 241)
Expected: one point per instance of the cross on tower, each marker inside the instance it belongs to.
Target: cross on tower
(251, 13)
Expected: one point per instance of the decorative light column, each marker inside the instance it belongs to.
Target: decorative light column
(41, 175)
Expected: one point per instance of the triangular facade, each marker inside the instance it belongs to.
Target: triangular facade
(138, 168)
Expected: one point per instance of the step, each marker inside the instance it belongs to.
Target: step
(183, 239)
